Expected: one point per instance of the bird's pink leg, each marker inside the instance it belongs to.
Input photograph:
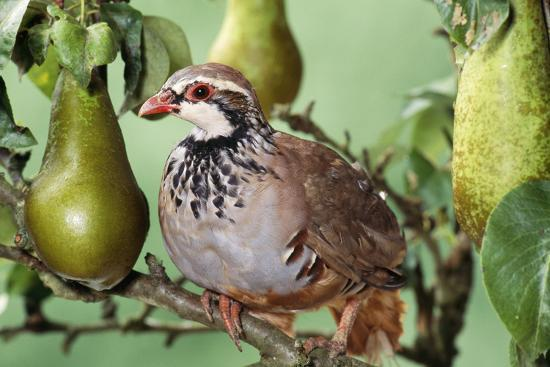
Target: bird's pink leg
(339, 342)
(230, 311)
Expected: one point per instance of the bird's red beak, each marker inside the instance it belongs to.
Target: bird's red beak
(156, 104)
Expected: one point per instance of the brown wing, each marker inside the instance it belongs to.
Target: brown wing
(350, 226)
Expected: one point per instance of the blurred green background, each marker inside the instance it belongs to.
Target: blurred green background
(360, 59)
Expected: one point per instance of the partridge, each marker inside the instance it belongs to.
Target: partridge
(273, 222)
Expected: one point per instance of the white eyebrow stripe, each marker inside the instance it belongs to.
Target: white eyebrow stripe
(219, 84)
(178, 87)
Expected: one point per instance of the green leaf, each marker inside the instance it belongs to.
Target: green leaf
(430, 111)
(39, 40)
(126, 23)
(471, 23)
(101, 46)
(391, 137)
(12, 136)
(11, 14)
(81, 49)
(433, 185)
(21, 55)
(517, 356)
(36, 10)
(430, 127)
(56, 12)
(45, 75)
(515, 257)
(164, 51)
(174, 40)
(7, 225)
(425, 124)
(24, 282)
(156, 66)
(440, 91)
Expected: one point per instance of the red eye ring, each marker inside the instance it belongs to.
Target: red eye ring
(199, 92)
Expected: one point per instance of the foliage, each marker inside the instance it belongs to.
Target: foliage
(11, 135)
(126, 23)
(12, 12)
(156, 67)
(77, 48)
(516, 264)
(165, 51)
(471, 23)
(421, 139)
(24, 282)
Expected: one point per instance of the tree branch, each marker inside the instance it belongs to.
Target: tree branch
(72, 332)
(157, 290)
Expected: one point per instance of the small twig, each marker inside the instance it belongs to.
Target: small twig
(142, 316)
(302, 122)
(433, 247)
(72, 332)
(8, 194)
(14, 163)
(108, 310)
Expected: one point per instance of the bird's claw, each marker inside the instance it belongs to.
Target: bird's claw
(230, 311)
(335, 347)
(206, 301)
(231, 315)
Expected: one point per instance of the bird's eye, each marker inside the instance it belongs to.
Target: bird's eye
(199, 92)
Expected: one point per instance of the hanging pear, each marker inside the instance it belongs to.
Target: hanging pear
(255, 38)
(502, 117)
(84, 210)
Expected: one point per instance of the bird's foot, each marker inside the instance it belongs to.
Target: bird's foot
(338, 345)
(335, 347)
(206, 301)
(230, 310)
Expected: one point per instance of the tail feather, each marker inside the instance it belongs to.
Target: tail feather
(378, 327)
(283, 321)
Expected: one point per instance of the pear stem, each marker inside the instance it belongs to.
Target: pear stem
(83, 12)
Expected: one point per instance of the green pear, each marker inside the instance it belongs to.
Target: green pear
(84, 210)
(255, 39)
(502, 117)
